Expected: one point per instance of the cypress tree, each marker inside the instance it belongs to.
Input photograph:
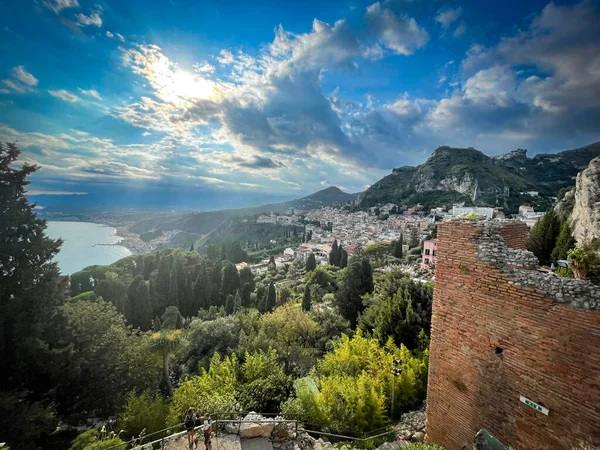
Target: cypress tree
(311, 263)
(344, 259)
(202, 291)
(141, 307)
(333, 254)
(271, 298)
(237, 302)
(564, 242)
(357, 282)
(192, 247)
(173, 297)
(230, 281)
(189, 306)
(229, 304)
(306, 299)
(163, 281)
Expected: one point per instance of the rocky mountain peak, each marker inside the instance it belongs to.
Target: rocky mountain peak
(585, 219)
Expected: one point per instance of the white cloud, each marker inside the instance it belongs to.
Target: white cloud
(56, 6)
(460, 30)
(94, 19)
(24, 77)
(402, 34)
(225, 57)
(21, 82)
(90, 92)
(64, 95)
(111, 35)
(447, 17)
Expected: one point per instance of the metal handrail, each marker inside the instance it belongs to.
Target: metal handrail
(134, 440)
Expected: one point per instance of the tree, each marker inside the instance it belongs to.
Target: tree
(398, 308)
(237, 302)
(358, 281)
(334, 257)
(30, 291)
(141, 307)
(306, 298)
(230, 281)
(171, 319)
(415, 238)
(173, 298)
(229, 304)
(543, 236)
(213, 390)
(397, 248)
(143, 412)
(344, 259)
(564, 242)
(101, 360)
(112, 290)
(311, 262)
(202, 288)
(166, 343)
(271, 266)
(163, 281)
(271, 298)
(192, 247)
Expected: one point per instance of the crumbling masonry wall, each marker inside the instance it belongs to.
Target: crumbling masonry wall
(500, 330)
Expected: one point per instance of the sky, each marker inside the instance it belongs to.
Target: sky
(218, 100)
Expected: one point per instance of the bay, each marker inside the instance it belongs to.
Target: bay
(85, 244)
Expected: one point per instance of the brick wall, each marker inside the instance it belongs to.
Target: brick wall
(494, 339)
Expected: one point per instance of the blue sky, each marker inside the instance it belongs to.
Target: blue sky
(282, 98)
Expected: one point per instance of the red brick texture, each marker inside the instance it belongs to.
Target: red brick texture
(550, 354)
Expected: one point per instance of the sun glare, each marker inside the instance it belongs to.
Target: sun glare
(176, 85)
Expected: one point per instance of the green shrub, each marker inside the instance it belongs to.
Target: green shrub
(84, 439)
(421, 446)
(213, 391)
(90, 440)
(143, 412)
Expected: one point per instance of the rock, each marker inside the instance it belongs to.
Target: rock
(283, 431)
(419, 436)
(585, 219)
(247, 429)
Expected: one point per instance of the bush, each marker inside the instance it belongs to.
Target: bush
(143, 412)
(421, 446)
(213, 391)
(84, 439)
(90, 440)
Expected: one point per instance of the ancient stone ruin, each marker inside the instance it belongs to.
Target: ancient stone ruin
(513, 350)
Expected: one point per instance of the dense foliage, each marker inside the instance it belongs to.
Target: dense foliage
(151, 335)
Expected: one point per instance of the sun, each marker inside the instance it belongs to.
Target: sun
(176, 85)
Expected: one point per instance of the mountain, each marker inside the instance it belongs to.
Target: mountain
(467, 175)
(580, 206)
(203, 222)
(552, 172)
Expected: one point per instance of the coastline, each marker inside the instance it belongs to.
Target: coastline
(131, 241)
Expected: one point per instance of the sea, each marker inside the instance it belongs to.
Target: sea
(85, 244)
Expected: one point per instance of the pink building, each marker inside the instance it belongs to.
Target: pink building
(429, 253)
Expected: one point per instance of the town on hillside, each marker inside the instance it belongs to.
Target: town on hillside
(413, 229)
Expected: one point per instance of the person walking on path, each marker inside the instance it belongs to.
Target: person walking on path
(190, 424)
(207, 430)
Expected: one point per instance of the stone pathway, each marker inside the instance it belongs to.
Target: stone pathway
(225, 442)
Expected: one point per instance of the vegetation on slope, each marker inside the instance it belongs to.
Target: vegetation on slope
(117, 340)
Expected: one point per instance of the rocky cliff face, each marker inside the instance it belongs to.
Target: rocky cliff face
(585, 219)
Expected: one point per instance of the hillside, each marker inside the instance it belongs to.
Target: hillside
(204, 222)
(468, 175)
(552, 171)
